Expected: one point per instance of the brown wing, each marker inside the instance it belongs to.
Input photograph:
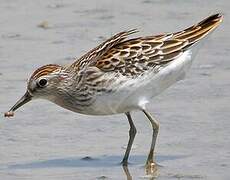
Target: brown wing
(100, 50)
(200, 30)
(135, 56)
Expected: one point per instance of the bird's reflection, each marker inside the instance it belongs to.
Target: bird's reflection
(151, 171)
(127, 173)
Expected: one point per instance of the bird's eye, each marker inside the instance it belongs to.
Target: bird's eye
(42, 83)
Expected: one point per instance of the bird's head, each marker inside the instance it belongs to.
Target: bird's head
(42, 84)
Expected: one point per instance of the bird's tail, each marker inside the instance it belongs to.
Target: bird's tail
(199, 30)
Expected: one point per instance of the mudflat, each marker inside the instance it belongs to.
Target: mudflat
(44, 141)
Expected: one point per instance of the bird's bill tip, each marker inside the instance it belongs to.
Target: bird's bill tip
(24, 99)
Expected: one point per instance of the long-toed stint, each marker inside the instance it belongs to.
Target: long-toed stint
(120, 75)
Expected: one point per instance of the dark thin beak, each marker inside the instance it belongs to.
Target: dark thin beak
(24, 99)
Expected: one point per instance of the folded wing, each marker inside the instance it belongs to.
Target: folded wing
(134, 56)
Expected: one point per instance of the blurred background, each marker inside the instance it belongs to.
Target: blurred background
(44, 141)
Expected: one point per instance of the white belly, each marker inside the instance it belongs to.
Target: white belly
(135, 94)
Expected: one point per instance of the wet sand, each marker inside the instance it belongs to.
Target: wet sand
(44, 141)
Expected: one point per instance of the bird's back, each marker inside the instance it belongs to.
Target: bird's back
(128, 73)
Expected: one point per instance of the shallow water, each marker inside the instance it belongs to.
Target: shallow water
(44, 141)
